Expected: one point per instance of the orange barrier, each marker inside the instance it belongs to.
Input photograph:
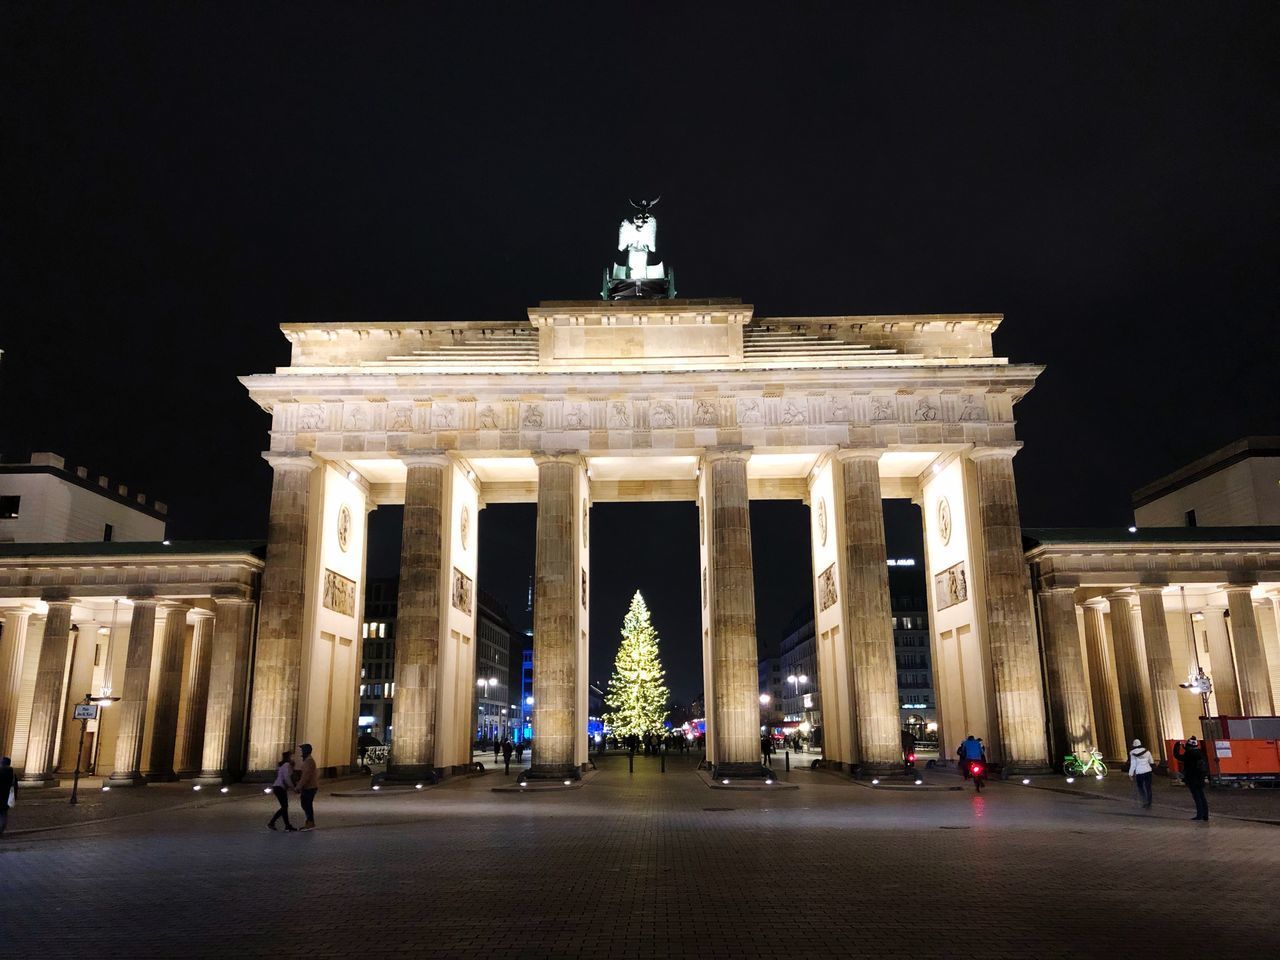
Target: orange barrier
(1236, 759)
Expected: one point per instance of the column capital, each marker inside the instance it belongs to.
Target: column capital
(1097, 603)
(54, 595)
(166, 607)
(988, 452)
(423, 458)
(571, 457)
(726, 452)
(1060, 588)
(1230, 588)
(230, 601)
(1150, 588)
(843, 453)
(142, 595)
(289, 459)
(200, 613)
(1120, 595)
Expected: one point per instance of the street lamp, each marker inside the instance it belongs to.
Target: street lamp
(487, 683)
(86, 710)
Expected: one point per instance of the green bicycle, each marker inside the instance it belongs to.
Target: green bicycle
(1073, 766)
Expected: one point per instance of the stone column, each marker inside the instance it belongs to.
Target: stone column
(197, 693)
(418, 619)
(1136, 720)
(1268, 614)
(1222, 664)
(1251, 656)
(736, 694)
(228, 677)
(868, 614)
(48, 701)
(555, 644)
(133, 695)
(1011, 639)
(1164, 684)
(1073, 732)
(1102, 683)
(12, 642)
(164, 730)
(277, 671)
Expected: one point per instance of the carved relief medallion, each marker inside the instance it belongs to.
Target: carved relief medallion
(344, 527)
(944, 521)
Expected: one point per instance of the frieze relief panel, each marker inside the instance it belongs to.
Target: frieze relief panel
(519, 423)
(827, 596)
(950, 586)
(462, 591)
(339, 594)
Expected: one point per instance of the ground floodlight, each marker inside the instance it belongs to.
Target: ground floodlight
(225, 790)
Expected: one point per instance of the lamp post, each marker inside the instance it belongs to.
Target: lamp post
(796, 681)
(86, 710)
(487, 683)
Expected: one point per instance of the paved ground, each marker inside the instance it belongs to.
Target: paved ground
(647, 865)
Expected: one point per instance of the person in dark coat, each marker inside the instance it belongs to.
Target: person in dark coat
(1195, 770)
(507, 748)
(8, 782)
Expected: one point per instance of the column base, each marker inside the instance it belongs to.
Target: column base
(550, 772)
(413, 773)
(1023, 768)
(212, 779)
(127, 780)
(742, 771)
(38, 783)
(259, 776)
(861, 771)
(161, 776)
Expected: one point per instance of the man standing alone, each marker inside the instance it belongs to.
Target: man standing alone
(8, 787)
(1195, 769)
(308, 786)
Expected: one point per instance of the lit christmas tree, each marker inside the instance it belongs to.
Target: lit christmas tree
(637, 698)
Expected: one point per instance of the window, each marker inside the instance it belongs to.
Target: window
(1191, 518)
(9, 508)
(107, 530)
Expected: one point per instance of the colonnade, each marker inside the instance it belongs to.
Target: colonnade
(1115, 656)
(435, 658)
(164, 721)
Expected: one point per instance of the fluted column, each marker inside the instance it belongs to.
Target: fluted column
(277, 671)
(1102, 683)
(1135, 719)
(49, 697)
(197, 693)
(1222, 664)
(164, 730)
(555, 645)
(1011, 639)
(132, 708)
(1068, 700)
(868, 613)
(228, 677)
(1268, 614)
(736, 694)
(1251, 656)
(1164, 684)
(12, 643)
(418, 619)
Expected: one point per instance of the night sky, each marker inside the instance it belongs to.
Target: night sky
(180, 179)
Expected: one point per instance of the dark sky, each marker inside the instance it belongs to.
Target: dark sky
(179, 179)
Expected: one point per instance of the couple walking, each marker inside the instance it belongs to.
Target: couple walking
(304, 780)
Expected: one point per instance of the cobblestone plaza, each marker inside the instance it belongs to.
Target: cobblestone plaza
(651, 865)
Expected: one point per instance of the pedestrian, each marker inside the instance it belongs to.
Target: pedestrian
(8, 791)
(497, 750)
(1195, 770)
(308, 786)
(1140, 767)
(766, 749)
(507, 749)
(281, 787)
(520, 752)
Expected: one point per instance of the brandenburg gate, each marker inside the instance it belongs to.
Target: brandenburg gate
(641, 399)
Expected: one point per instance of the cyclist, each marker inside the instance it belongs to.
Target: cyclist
(969, 751)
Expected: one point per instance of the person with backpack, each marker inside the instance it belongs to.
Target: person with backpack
(1141, 763)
